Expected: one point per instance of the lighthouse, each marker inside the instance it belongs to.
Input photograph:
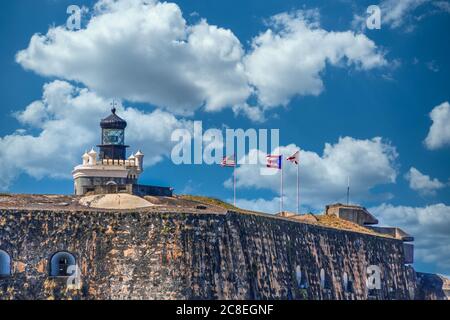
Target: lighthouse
(109, 170)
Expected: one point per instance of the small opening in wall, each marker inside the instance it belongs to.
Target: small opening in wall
(350, 286)
(5, 264)
(60, 263)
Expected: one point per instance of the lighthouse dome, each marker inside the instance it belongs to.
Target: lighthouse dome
(113, 121)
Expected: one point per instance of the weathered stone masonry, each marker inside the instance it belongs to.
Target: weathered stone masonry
(147, 255)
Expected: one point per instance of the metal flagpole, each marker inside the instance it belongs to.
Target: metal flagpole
(298, 188)
(348, 190)
(281, 193)
(234, 181)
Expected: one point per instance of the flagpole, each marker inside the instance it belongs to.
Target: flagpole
(298, 188)
(234, 183)
(348, 190)
(281, 197)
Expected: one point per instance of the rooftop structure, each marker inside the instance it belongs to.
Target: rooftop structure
(353, 213)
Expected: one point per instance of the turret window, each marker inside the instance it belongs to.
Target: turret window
(5, 264)
(60, 263)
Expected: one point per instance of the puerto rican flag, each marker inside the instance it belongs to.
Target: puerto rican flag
(295, 158)
(229, 161)
(274, 161)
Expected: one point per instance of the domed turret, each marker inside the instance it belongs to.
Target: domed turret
(85, 158)
(92, 157)
(140, 160)
(132, 159)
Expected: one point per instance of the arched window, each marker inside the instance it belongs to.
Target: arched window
(5, 264)
(60, 263)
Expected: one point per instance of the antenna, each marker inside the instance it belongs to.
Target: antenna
(348, 190)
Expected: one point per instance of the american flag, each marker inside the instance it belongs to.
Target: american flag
(295, 158)
(229, 161)
(273, 161)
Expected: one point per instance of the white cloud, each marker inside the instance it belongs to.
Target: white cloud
(439, 134)
(403, 14)
(395, 13)
(289, 58)
(259, 205)
(443, 5)
(254, 113)
(429, 225)
(432, 66)
(323, 178)
(144, 51)
(66, 122)
(422, 183)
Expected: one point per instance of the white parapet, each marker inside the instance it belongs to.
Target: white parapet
(108, 168)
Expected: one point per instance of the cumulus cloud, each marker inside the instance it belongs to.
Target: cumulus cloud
(439, 133)
(65, 122)
(144, 51)
(290, 57)
(323, 178)
(423, 183)
(429, 225)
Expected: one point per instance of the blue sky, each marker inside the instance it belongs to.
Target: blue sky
(347, 86)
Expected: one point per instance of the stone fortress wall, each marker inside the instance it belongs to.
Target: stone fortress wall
(175, 255)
